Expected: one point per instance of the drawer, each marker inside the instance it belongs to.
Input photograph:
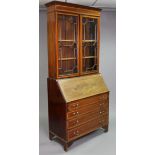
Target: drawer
(103, 98)
(91, 105)
(78, 112)
(85, 128)
(86, 118)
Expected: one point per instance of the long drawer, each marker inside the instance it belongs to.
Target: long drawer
(87, 109)
(86, 117)
(101, 99)
(85, 128)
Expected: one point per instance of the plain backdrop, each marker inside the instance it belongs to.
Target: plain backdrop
(107, 69)
(19, 82)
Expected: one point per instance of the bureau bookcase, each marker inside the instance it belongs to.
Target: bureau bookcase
(78, 99)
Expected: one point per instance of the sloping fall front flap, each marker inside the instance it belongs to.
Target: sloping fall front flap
(81, 87)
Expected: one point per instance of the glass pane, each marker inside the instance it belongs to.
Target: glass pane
(67, 32)
(89, 44)
(89, 28)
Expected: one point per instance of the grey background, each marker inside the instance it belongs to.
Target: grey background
(104, 144)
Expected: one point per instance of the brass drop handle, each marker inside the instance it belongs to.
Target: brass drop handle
(101, 112)
(76, 113)
(101, 121)
(76, 122)
(102, 103)
(76, 105)
(76, 133)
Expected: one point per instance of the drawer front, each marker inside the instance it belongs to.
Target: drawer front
(88, 109)
(103, 98)
(86, 128)
(85, 118)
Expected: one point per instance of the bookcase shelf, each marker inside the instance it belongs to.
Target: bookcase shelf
(64, 59)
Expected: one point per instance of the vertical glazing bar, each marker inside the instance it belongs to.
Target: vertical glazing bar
(84, 31)
(56, 44)
(95, 32)
(64, 26)
(60, 33)
(75, 58)
(95, 62)
(61, 58)
(80, 38)
(74, 31)
(65, 66)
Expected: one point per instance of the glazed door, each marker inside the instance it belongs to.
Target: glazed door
(89, 44)
(68, 51)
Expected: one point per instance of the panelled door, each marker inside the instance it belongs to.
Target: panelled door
(68, 50)
(89, 44)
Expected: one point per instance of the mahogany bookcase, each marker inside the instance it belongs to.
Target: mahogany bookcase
(78, 99)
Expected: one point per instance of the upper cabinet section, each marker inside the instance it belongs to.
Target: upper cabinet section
(73, 39)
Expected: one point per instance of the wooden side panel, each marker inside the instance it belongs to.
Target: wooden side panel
(51, 44)
(108, 109)
(56, 109)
